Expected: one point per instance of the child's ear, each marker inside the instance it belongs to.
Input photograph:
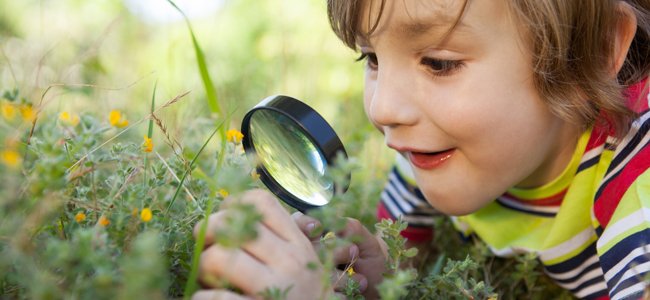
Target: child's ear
(625, 31)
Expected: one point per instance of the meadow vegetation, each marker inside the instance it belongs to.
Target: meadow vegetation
(118, 134)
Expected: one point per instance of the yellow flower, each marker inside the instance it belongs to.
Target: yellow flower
(68, 118)
(328, 236)
(233, 135)
(351, 271)
(8, 110)
(27, 112)
(146, 215)
(80, 217)
(116, 119)
(223, 193)
(11, 158)
(104, 221)
(147, 145)
(254, 175)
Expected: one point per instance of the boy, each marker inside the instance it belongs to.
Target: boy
(539, 104)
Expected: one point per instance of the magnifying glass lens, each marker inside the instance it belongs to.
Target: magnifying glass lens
(290, 157)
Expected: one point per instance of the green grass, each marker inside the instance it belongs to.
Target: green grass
(54, 170)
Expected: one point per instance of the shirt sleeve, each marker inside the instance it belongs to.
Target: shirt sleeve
(622, 215)
(402, 198)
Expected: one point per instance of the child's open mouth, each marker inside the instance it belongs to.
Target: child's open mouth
(429, 160)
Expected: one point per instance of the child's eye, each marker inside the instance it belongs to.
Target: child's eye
(441, 67)
(371, 60)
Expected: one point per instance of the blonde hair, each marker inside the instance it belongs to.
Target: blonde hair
(572, 44)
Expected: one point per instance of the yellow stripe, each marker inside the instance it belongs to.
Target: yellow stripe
(562, 181)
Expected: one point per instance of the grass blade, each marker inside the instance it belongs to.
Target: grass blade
(149, 134)
(210, 91)
(187, 171)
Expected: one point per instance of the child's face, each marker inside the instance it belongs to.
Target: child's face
(463, 110)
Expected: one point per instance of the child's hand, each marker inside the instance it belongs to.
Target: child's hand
(280, 258)
(366, 254)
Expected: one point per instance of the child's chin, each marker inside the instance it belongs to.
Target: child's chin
(458, 208)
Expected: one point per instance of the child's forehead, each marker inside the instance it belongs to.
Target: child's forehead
(407, 18)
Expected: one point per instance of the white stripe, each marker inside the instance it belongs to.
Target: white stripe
(418, 220)
(390, 205)
(569, 274)
(585, 277)
(509, 251)
(398, 199)
(533, 208)
(404, 192)
(639, 287)
(626, 260)
(575, 242)
(612, 231)
(404, 167)
(592, 153)
(635, 128)
(633, 271)
(592, 289)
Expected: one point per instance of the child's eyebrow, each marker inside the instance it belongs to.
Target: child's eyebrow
(418, 28)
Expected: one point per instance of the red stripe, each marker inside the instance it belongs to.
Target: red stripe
(554, 200)
(613, 192)
(415, 234)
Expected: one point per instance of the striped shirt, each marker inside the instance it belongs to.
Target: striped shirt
(590, 226)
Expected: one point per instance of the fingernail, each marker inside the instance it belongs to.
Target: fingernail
(354, 251)
(311, 226)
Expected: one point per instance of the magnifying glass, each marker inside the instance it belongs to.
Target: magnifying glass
(295, 149)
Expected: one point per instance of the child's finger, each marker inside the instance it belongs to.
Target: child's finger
(346, 254)
(309, 226)
(274, 215)
(271, 249)
(218, 295)
(236, 267)
(213, 221)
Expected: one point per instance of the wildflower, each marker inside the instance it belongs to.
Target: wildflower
(254, 175)
(147, 145)
(223, 193)
(103, 221)
(328, 236)
(80, 217)
(8, 110)
(116, 119)
(234, 136)
(27, 112)
(351, 271)
(68, 118)
(146, 215)
(10, 158)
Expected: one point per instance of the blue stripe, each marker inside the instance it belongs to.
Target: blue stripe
(628, 283)
(614, 255)
(589, 268)
(634, 141)
(589, 282)
(635, 262)
(643, 131)
(589, 163)
(573, 262)
(414, 190)
(391, 198)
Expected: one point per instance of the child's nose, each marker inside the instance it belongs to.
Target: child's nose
(390, 103)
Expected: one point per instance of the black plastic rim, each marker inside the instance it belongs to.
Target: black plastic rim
(321, 134)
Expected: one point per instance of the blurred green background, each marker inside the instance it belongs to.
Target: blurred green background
(254, 48)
